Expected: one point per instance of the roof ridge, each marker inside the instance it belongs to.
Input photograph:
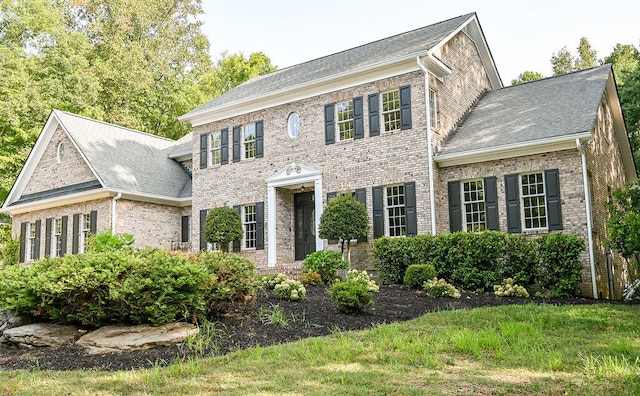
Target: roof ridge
(557, 76)
(114, 125)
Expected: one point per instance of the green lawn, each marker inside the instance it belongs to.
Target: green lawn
(577, 350)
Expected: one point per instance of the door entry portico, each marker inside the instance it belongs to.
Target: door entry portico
(305, 227)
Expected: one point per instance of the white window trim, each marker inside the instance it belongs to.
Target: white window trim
(387, 224)
(464, 205)
(84, 232)
(338, 122)
(244, 227)
(30, 242)
(383, 127)
(245, 141)
(55, 237)
(215, 149)
(522, 197)
(433, 101)
(213, 247)
(60, 152)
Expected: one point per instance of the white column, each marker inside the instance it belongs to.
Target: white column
(271, 226)
(318, 200)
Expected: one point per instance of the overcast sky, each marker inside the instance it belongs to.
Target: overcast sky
(521, 37)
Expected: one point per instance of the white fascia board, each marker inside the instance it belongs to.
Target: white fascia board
(510, 151)
(621, 130)
(63, 200)
(317, 87)
(153, 198)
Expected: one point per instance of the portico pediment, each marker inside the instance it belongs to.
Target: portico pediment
(294, 173)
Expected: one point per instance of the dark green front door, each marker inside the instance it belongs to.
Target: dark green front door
(305, 226)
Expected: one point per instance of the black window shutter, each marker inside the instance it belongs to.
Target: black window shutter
(236, 143)
(455, 206)
(203, 239)
(75, 242)
(358, 118)
(47, 237)
(203, 150)
(405, 107)
(512, 188)
(224, 146)
(374, 115)
(236, 243)
(329, 125)
(330, 196)
(378, 212)
(554, 206)
(259, 139)
(23, 239)
(410, 208)
(184, 229)
(93, 222)
(361, 196)
(63, 236)
(491, 203)
(259, 225)
(37, 241)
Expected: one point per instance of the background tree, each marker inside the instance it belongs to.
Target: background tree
(527, 76)
(624, 224)
(223, 225)
(344, 219)
(564, 62)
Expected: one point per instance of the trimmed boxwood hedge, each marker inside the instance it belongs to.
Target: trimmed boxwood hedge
(477, 261)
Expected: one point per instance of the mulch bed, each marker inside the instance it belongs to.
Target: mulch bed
(244, 326)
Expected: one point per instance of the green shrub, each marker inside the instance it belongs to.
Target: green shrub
(440, 288)
(326, 263)
(363, 277)
(9, 247)
(269, 281)
(417, 274)
(520, 260)
(106, 241)
(232, 276)
(354, 294)
(290, 289)
(507, 288)
(560, 266)
(311, 278)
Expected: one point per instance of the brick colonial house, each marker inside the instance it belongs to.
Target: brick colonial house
(417, 126)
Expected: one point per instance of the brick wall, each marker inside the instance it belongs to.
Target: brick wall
(50, 174)
(152, 225)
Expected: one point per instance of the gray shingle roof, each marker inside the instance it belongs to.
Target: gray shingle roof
(401, 46)
(126, 159)
(551, 108)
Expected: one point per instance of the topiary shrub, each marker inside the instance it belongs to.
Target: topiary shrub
(355, 293)
(326, 263)
(440, 288)
(223, 225)
(560, 266)
(417, 274)
(344, 219)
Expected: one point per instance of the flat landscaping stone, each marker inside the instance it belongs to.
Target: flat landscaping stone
(40, 335)
(130, 338)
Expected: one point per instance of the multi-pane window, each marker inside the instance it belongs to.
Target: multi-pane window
(56, 238)
(391, 110)
(395, 211)
(216, 148)
(31, 249)
(433, 108)
(474, 205)
(249, 141)
(534, 208)
(250, 226)
(345, 120)
(85, 232)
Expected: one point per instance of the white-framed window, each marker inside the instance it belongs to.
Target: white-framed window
(56, 238)
(433, 108)
(391, 110)
(395, 211)
(249, 139)
(250, 226)
(60, 152)
(213, 247)
(85, 232)
(346, 128)
(474, 205)
(534, 205)
(216, 148)
(31, 241)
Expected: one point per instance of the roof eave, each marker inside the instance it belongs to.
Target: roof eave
(511, 150)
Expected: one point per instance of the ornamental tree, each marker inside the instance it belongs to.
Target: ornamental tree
(344, 219)
(222, 226)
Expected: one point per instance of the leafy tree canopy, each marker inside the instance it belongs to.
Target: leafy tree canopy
(564, 61)
(223, 225)
(624, 224)
(527, 76)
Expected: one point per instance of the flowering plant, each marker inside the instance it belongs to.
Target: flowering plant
(364, 278)
(311, 278)
(508, 288)
(440, 288)
(290, 289)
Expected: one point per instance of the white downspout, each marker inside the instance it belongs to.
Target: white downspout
(432, 194)
(113, 212)
(587, 201)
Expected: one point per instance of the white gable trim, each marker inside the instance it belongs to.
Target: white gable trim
(35, 156)
(620, 129)
(510, 150)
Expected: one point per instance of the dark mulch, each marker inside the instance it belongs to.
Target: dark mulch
(243, 327)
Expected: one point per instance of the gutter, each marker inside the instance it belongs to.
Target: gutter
(587, 202)
(113, 212)
(432, 194)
